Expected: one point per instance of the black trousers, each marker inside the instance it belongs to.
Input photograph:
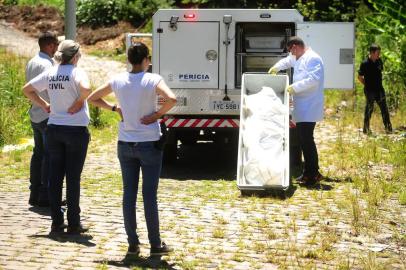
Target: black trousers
(311, 159)
(67, 147)
(379, 97)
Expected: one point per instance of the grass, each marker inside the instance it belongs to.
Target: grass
(14, 120)
(110, 54)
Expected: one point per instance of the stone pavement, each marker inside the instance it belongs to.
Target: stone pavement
(207, 222)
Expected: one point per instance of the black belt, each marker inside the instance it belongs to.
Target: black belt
(63, 127)
(127, 143)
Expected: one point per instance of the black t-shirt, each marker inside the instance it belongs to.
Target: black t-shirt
(372, 72)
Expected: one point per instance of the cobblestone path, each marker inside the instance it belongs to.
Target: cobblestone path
(202, 215)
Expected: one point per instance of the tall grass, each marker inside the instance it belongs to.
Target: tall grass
(14, 119)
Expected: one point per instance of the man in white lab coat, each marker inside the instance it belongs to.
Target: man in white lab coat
(308, 101)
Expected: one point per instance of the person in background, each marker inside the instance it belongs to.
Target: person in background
(138, 141)
(67, 133)
(370, 75)
(48, 44)
(308, 101)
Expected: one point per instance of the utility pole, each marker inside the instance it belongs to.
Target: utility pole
(70, 19)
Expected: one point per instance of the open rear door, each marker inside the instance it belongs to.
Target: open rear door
(334, 42)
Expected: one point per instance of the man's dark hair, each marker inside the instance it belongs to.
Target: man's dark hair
(374, 47)
(295, 41)
(137, 53)
(47, 38)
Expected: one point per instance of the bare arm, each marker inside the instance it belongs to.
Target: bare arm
(96, 98)
(80, 101)
(170, 101)
(31, 94)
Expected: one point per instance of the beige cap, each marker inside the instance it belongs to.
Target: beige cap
(67, 49)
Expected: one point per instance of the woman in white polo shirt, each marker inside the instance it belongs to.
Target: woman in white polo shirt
(139, 132)
(67, 133)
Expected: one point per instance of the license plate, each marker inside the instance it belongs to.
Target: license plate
(224, 105)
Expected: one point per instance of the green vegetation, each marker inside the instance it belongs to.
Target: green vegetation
(14, 121)
(385, 24)
(109, 12)
(60, 4)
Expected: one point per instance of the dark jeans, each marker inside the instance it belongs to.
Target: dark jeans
(67, 153)
(311, 159)
(39, 163)
(379, 97)
(133, 157)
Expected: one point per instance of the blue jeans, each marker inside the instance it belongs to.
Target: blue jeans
(67, 147)
(39, 163)
(133, 157)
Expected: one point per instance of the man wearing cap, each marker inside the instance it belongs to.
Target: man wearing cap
(48, 44)
(308, 101)
(67, 133)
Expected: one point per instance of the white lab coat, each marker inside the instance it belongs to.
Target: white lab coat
(308, 84)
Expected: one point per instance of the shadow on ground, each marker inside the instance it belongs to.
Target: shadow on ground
(82, 239)
(43, 211)
(152, 262)
(203, 161)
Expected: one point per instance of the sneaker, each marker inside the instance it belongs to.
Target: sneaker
(133, 250)
(60, 228)
(161, 250)
(77, 229)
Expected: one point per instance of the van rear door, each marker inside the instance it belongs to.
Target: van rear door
(334, 42)
(189, 54)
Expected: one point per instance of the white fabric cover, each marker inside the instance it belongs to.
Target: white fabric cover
(263, 138)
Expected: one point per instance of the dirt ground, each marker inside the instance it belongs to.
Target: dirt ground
(34, 20)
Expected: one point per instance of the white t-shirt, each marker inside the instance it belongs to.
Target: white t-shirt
(136, 94)
(62, 84)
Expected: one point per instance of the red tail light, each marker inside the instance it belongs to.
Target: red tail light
(189, 16)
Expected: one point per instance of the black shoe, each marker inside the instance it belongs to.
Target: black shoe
(33, 202)
(43, 203)
(311, 181)
(78, 229)
(60, 228)
(133, 250)
(161, 250)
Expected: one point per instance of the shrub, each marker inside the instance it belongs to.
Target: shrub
(99, 13)
(109, 12)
